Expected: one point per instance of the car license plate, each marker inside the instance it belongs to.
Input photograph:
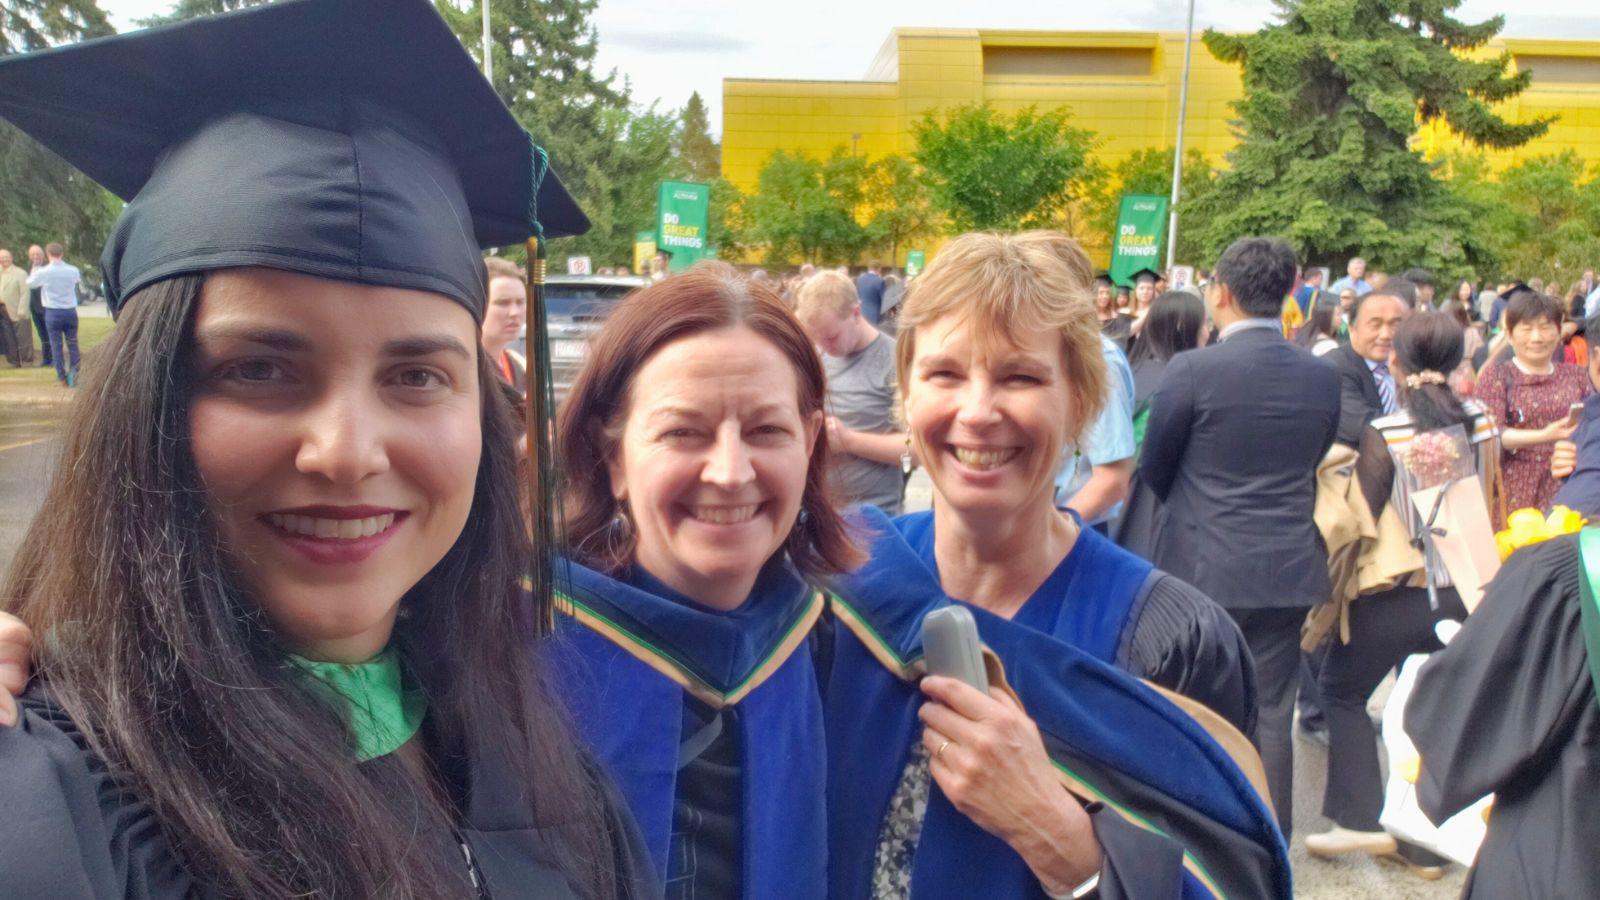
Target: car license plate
(566, 349)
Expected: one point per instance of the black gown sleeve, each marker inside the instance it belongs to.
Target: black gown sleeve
(1495, 708)
(1137, 864)
(67, 831)
(1186, 643)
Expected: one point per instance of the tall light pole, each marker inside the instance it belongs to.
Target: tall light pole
(488, 51)
(1177, 152)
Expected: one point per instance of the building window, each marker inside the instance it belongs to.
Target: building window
(1068, 62)
(1560, 69)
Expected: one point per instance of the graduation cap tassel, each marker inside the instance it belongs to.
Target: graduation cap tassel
(539, 406)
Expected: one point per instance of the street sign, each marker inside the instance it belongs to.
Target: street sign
(579, 265)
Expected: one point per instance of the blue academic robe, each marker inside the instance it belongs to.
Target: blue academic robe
(1112, 738)
(626, 659)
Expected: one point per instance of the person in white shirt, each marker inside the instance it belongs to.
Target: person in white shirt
(58, 281)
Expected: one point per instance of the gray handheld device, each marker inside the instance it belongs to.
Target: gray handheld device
(950, 646)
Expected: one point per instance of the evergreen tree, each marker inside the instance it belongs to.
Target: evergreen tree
(989, 170)
(189, 9)
(1333, 96)
(544, 53)
(42, 198)
(27, 25)
(699, 156)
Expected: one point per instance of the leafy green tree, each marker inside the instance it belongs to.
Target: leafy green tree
(1554, 229)
(988, 170)
(1149, 171)
(699, 156)
(901, 205)
(803, 209)
(726, 229)
(1334, 93)
(42, 198)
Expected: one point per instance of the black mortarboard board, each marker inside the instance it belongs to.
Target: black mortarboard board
(347, 139)
(1150, 275)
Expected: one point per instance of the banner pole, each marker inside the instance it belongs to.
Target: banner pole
(1177, 153)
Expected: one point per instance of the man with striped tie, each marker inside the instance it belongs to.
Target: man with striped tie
(1366, 386)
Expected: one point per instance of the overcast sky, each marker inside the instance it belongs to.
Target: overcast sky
(667, 52)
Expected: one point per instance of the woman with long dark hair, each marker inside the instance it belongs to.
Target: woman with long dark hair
(1388, 626)
(1319, 334)
(283, 649)
(1176, 322)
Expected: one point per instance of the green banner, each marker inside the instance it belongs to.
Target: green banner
(914, 263)
(681, 212)
(1141, 223)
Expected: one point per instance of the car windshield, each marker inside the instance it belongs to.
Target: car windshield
(582, 301)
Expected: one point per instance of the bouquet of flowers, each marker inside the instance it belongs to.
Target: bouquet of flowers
(1434, 457)
(1449, 517)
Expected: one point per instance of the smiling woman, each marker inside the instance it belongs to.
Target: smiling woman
(695, 514)
(277, 588)
(937, 790)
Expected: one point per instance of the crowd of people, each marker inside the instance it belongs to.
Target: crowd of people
(309, 614)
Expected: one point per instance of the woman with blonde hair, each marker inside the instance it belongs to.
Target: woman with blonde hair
(950, 791)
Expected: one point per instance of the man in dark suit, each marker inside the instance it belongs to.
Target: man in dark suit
(1366, 386)
(1232, 444)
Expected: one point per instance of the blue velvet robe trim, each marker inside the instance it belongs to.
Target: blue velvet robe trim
(1100, 724)
(632, 715)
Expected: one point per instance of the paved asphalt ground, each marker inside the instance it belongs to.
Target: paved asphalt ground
(28, 453)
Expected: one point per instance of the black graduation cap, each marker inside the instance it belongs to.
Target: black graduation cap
(346, 139)
(1150, 275)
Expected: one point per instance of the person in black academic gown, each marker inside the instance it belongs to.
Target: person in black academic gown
(282, 643)
(696, 525)
(1508, 708)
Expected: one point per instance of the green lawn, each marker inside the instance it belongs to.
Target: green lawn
(91, 331)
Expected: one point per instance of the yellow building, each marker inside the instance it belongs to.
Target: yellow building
(1123, 85)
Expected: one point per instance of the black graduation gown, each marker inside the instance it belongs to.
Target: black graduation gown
(69, 831)
(1509, 708)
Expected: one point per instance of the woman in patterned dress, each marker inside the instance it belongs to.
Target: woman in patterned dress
(1530, 396)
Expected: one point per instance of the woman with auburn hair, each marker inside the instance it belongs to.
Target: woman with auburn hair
(696, 524)
(283, 651)
(937, 789)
